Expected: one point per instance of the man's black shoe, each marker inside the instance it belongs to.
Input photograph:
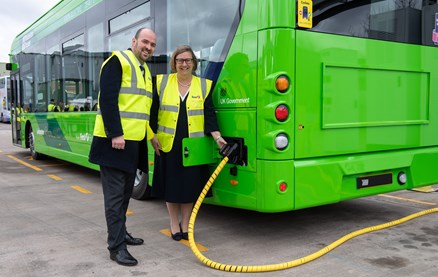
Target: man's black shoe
(123, 257)
(130, 240)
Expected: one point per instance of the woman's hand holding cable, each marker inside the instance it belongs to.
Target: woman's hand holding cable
(218, 138)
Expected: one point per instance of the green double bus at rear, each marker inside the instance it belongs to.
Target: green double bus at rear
(327, 101)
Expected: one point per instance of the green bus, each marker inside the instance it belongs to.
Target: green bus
(326, 100)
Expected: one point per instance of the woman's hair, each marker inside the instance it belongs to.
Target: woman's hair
(181, 49)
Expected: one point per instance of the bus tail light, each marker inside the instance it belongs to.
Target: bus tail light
(282, 187)
(402, 178)
(281, 113)
(282, 83)
(281, 141)
(234, 182)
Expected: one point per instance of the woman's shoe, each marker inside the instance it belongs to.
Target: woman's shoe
(185, 235)
(177, 236)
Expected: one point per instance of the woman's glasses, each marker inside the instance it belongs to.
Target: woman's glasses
(181, 61)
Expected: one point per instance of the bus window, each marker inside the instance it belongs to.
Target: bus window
(399, 21)
(75, 85)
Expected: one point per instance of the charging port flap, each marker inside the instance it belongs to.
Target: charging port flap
(197, 151)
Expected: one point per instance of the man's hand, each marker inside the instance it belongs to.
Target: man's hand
(118, 143)
(156, 145)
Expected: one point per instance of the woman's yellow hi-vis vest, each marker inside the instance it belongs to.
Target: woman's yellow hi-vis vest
(167, 87)
(135, 99)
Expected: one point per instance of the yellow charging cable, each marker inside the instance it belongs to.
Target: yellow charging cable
(285, 265)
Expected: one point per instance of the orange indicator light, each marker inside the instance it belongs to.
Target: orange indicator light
(234, 182)
(282, 83)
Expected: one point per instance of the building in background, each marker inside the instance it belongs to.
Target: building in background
(3, 71)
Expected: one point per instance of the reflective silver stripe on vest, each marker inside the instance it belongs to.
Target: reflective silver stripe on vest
(199, 112)
(134, 79)
(163, 86)
(204, 87)
(133, 91)
(149, 94)
(136, 91)
(195, 112)
(132, 115)
(196, 134)
(166, 130)
(169, 108)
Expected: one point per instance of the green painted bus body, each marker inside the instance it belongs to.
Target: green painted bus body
(358, 107)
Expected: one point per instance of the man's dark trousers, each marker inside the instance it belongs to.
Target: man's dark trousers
(117, 188)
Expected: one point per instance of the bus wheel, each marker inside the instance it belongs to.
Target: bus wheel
(35, 155)
(142, 190)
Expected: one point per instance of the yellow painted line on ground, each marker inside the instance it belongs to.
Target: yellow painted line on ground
(408, 200)
(24, 163)
(167, 233)
(424, 189)
(129, 212)
(54, 177)
(81, 189)
(1, 151)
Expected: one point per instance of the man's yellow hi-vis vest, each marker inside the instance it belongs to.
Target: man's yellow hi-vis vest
(167, 87)
(135, 99)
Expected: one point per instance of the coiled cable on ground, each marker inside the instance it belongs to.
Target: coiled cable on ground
(285, 265)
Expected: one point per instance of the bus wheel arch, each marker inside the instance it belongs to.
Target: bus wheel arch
(142, 189)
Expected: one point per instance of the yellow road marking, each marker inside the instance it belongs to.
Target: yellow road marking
(1, 151)
(408, 200)
(129, 212)
(24, 163)
(81, 189)
(57, 178)
(167, 233)
(424, 189)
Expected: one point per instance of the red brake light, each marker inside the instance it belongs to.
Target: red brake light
(281, 113)
(283, 187)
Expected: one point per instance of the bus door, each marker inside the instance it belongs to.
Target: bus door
(14, 100)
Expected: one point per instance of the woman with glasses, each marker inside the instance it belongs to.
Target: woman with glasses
(182, 107)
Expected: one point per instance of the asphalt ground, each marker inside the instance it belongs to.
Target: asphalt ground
(52, 224)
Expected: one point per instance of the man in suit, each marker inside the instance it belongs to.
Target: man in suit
(119, 143)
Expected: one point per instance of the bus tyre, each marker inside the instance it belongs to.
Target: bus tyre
(142, 190)
(35, 155)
